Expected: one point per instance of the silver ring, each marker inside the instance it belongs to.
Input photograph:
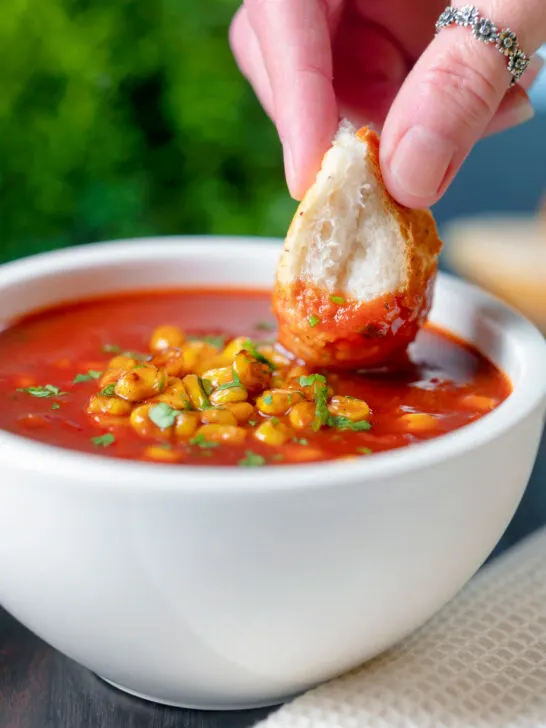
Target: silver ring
(505, 40)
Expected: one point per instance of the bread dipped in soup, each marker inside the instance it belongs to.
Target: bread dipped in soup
(355, 278)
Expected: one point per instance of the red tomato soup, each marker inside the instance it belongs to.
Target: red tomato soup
(194, 377)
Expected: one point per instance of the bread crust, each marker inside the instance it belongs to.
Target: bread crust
(359, 333)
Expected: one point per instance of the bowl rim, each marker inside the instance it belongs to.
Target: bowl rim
(44, 460)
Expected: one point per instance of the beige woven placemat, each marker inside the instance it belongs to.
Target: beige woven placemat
(480, 663)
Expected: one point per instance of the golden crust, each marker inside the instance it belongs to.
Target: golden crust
(356, 333)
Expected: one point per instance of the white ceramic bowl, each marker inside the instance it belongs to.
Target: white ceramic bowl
(230, 588)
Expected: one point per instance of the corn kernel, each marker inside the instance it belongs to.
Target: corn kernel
(110, 376)
(273, 355)
(218, 417)
(253, 374)
(186, 424)
(140, 383)
(143, 425)
(418, 422)
(229, 395)
(166, 337)
(175, 395)
(218, 376)
(479, 402)
(351, 408)
(163, 455)
(172, 361)
(273, 433)
(100, 405)
(194, 388)
(122, 362)
(233, 348)
(222, 433)
(278, 401)
(297, 371)
(277, 380)
(195, 353)
(242, 411)
(302, 415)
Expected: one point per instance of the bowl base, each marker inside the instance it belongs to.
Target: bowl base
(201, 706)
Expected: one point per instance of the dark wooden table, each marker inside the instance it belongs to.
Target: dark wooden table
(39, 688)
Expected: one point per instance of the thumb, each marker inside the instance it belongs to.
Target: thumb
(449, 100)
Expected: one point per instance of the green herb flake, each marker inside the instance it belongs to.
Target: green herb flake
(274, 420)
(111, 349)
(108, 391)
(343, 423)
(337, 299)
(235, 382)
(321, 407)
(252, 423)
(309, 380)
(207, 386)
(364, 450)
(265, 326)
(103, 440)
(217, 341)
(55, 406)
(268, 399)
(252, 460)
(49, 390)
(91, 375)
(251, 348)
(163, 415)
(300, 441)
(313, 320)
(202, 442)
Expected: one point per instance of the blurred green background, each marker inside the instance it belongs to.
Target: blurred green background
(129, 118)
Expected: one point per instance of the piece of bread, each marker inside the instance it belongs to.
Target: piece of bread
(356, 275)
(506, 255)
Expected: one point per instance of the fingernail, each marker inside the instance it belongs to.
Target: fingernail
(421, 160)
(289, 168)
(521, 113)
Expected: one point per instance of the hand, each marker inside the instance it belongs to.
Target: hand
(312, 62)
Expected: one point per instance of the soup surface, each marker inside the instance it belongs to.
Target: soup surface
(194, 377)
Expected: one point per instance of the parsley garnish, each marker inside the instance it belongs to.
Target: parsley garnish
(252, 460)
(111, 349)
(108, 391)
(235, 382)
(364, 450)
(301, 441)
(103, 440)
(309, 380)
(216, 341)
(55, 406)
(268, 399)
(265, 326)
(49, 390)
(163, 415)
(252, 423)
(344, 423)
(321, 406)
(313, 320)
(250, 347)
(91, 374)
(202, 442)
(337, 299)
(206, 386)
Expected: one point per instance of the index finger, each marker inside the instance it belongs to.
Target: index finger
(295, 42)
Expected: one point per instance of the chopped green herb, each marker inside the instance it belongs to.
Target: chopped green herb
(313, 320)
(265, 326)
(207, 386)
(108, 391)
(103, 440)
(268, 399)
(202, 442)
(274, 420)
(321, 406)
(163, 415)
(364, 450)
(55, 406)
(235, 382)
(111, 349)
(252, 423)
(343, 423)
(49, 390)
(301, 441)
(278, 456)
(309, 380)
(91, 374)
(337, 299)
(217, 341)
(251, 348)
(252, 460)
